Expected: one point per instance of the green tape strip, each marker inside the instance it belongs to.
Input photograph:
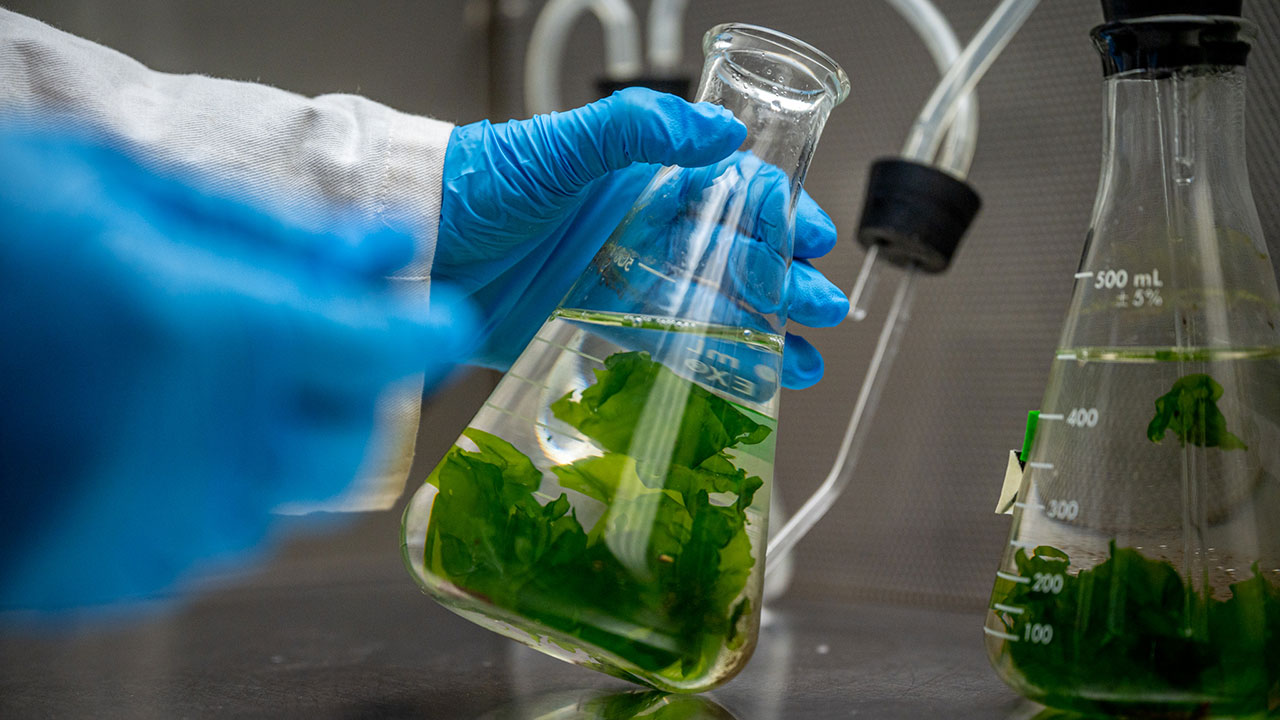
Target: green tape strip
(1033, 419)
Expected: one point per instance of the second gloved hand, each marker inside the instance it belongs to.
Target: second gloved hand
(526, 205)
(175, 366)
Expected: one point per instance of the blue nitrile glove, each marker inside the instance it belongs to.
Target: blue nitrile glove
(174, 366)
(528, 203)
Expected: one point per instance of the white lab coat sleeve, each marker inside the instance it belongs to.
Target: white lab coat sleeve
(328, 161)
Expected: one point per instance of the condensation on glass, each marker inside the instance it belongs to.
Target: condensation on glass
(608, 504)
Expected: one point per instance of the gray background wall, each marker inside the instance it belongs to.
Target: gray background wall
(917, 525)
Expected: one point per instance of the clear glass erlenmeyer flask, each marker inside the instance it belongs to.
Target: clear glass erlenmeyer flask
(608, 504)
(1143, 570)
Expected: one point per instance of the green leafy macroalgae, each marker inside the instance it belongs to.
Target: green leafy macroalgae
(672, 613)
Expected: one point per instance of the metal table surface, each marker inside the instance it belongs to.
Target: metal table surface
(335, 628)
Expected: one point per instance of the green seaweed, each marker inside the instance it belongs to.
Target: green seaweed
(679, 609)
(1131, 627)
(1130, 634)
(1190, 410)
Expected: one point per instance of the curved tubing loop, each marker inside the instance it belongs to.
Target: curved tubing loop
(666, 29)
(956, 155)
(545, 55)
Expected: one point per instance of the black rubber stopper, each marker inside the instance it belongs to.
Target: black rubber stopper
(678, 86)
(1162, 36)
(917, 214)
(1121, 10)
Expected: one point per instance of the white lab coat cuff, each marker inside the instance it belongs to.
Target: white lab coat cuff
(410, 192)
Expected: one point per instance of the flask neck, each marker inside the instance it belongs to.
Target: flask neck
(1168, 133)
(782, 131)
(780, 88)
(1175, 256)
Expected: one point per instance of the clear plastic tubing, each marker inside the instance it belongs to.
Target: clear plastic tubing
(926, 134)
(666, 27)
(545, 55)
(940, 40)
(956, 155)
(951, 98)
(923, 143)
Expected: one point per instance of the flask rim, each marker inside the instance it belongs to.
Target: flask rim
(743, 36)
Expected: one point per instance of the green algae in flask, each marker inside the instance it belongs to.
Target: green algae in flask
(1142, 574)
(608, 503)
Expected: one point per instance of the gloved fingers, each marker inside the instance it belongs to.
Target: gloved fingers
(769, 190)
(349, 246)
(329, 413)
(367, 253)
(749, 194)
(452, 333)
(335, 340)
(635, 125)
(741, 203)
(330, 329)
(320, 458)
(744, 181)
(815, 231)
(352, 346)
(718, 274)
(320, 367)
(813, 300)
(741, 191)
(767, 193)
(802, 364)
(756, 274)
(330, 355)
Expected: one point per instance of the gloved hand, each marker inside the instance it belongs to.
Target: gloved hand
(174, 366)
(527, 204)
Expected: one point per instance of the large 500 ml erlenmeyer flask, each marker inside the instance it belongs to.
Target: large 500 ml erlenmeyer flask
(1143, 571)
(608, 504)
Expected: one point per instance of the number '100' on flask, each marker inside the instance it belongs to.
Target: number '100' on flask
(608, 504)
